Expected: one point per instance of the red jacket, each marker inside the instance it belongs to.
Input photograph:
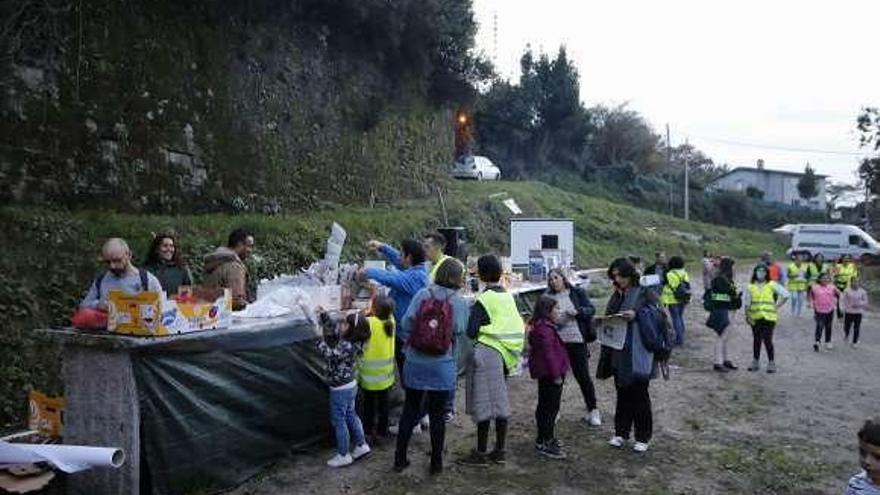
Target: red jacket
(547, 355)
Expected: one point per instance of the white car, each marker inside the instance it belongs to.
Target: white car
(475, 167)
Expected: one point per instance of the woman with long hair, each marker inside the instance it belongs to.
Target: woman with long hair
(165, 261)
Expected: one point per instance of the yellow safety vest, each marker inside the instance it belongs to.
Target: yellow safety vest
(505, 332)
(844, 276)
(762, 306)
(436, 267)
(798, 277)
(675, 278)
(376, 366)
(814, 273)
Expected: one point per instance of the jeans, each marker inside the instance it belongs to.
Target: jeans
(676, 313)
(854, 321)
(762, 333)
(375, 405)
(549, 398)
(580, 368)
(824, 322)
(345, 420)
(797, 302)
(721, 355)
(634, 409)
(413, 410)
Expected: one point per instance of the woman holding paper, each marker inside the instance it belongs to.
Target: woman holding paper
(625, 358)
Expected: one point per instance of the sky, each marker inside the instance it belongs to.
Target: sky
(740, 80)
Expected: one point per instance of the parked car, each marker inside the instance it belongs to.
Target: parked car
(832, 240)
(475, 167)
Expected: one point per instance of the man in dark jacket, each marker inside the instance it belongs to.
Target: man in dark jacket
(225, 268)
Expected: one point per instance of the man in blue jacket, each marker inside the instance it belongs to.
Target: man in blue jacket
(409, 276)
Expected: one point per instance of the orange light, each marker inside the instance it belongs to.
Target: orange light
(462, 119)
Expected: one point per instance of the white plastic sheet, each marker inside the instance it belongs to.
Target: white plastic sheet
(283, 300)
(67, 458)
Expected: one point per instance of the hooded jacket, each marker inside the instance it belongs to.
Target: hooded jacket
(224, 269)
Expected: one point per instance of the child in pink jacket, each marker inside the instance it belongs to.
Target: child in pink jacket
(823, 296)
(548, 363)
(854, 302)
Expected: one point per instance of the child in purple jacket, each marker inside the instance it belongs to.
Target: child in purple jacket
(548, 363)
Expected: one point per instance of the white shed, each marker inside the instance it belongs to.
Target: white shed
(546, 234)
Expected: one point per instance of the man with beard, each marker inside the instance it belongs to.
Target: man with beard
(120, 275)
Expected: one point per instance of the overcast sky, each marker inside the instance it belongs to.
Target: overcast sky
(772, 73)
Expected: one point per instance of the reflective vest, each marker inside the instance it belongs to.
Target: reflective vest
(798, 277)
(674, 278)
(505, 332)
(376, 366)
(813, 272)
(762, 305)
(723, 297)
(436, 267)
(845, 274)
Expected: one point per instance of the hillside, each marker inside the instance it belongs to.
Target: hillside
(50, 256)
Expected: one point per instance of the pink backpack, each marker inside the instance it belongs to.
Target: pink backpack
(433, 329)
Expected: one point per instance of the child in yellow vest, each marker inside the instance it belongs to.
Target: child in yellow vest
(376, 369)
(764, 297)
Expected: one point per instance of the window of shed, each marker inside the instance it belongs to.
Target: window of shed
(549, 242)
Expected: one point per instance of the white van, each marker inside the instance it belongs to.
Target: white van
(832, 240)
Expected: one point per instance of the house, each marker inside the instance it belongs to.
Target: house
(778, 186)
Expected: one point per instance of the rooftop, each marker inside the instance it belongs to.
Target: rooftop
(764, 171)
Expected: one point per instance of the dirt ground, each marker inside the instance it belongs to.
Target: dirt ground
(741, 432)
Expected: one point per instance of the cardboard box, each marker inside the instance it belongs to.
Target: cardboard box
(203, 315)
(46, 414)
(139, 315)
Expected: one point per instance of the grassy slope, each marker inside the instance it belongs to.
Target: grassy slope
(50, 257)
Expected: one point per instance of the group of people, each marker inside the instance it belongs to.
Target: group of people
(165, 270)
(426, 327)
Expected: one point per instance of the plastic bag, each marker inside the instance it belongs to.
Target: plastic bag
(89, 319)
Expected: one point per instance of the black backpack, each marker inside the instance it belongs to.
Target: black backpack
(683, 292)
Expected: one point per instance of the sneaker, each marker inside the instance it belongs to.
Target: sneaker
(855, 344)
(425, 423)
(475, 458)
(338, 461)
(729, 365)
(594, 418)
(640, 447)
(448, 416)
(755, 365)
(829, 345)
(771, 367)
(719, 368)
(552, 450)
(361, 451)
(616, 442)
(816, 347)
(498, 457)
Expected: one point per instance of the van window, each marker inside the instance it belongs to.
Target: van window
(857, 240)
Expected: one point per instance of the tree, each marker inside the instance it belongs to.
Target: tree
(868, 124)
(808, 185)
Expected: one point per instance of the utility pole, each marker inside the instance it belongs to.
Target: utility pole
(687, 194)
(669, 170)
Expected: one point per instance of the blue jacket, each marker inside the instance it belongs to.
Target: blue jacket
(403, 282)
(422, 371)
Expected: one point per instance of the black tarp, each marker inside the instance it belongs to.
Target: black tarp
(214, 413)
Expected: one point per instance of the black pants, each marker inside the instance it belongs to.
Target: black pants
(634, 409)
(375, 404)
(854, 321)
(399, 358)
(762, 333)
(412, 412)
(824, 321)
(549, 398)
(579, 358)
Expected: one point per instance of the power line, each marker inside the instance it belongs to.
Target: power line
(778, 148)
